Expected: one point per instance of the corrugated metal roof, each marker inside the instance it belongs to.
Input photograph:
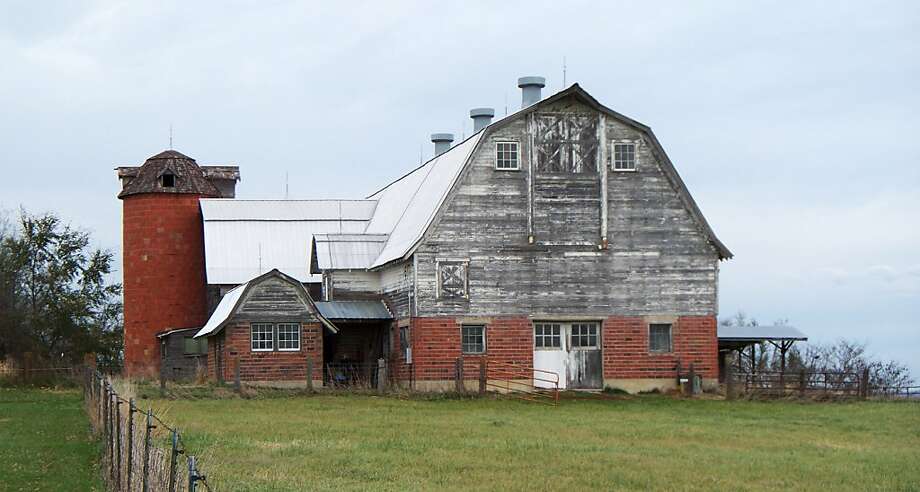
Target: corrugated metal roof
(345, 310)
(406, 207)
(223, 311)
(778, 332)
(245, 238)
(348, 251)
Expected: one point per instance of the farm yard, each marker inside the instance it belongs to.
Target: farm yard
(45, 442)
(363, 442)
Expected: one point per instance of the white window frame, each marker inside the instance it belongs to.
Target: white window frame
(596, 335)
(471, 325)
(670, 349)
(271, 339)
(278, 337)
(517, 155)
(613, 155)
(544, 336)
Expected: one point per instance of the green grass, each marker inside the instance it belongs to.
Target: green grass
(45, 442)
(374, 443)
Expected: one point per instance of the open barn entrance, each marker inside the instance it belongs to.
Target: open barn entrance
(350, 356)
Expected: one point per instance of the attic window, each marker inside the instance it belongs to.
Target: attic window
(168, 180)
(624, 156)
(506, 156)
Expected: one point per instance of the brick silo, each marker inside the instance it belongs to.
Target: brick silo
(163, 252)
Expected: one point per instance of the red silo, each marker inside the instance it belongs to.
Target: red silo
(163, 253)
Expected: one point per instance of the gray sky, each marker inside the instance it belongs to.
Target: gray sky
(795, 125)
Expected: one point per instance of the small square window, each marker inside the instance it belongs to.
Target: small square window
(506, 156)
(473, 339)
(584, 335)
(624, 156)
(288, 336)
(659, 337)
(547, 335)
(262, 337)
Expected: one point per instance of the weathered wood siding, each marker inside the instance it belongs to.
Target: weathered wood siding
(396, 285)
(354, 284)
(658, 259)
(274, 300)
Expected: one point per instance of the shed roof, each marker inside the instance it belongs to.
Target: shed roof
(760, 333)
(354, 310)
(245, 238)
(346, 251)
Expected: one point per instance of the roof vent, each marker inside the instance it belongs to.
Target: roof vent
(441, 142)
(481, 117)
(530, 90)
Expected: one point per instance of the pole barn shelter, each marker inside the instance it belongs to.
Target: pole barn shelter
(559, 240)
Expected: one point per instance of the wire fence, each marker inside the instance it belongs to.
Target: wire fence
(141, 451)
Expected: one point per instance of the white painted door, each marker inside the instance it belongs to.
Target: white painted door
(549, 354)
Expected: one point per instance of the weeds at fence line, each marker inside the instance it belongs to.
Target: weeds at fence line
(132, 459)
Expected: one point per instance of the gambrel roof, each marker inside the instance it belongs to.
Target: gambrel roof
(189, 176)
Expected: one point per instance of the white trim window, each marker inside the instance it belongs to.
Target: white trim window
(262, 337)
(473, 339)
(584, 335)
(624, 156)
(547, 336)
(507, 156)
(288, 337)
(659, 337)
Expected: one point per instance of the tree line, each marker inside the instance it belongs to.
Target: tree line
(56, 300)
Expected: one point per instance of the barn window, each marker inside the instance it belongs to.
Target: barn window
(168, 180)
(195, 346)
(473, 339)
(262, 337)
(288, 336)
(584, 335)
(659, 337)
(452, 280)
(507, 156)
(547, 335)
(624, 156)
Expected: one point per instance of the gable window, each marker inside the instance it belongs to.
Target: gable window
(288, 336)
(168, 180)
(659, 337)
(473, 339)
(584, 335)
(624, 156)
(262, 337)
(453, 282)
(507, 156)
(547, 335)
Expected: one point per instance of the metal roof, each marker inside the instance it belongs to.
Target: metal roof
(223, 311)
(348, 251)
(357, 310)
(245, 238)
(759, 333)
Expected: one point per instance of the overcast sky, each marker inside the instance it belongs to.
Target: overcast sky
(795, 125)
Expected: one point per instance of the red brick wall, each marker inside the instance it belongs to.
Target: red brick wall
(436, 346)
(626, 354)
(164, 278)
(274, 365)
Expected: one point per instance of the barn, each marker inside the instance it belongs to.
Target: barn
(559, 239)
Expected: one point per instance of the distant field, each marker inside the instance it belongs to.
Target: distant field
(45, 442)
(369, 443)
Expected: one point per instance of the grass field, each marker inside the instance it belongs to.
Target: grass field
(369, 443)
(45, 442)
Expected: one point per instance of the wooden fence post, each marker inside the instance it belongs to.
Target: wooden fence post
(310, 373)
(458, 375)
(729, 380)
(865, 384)
(173, 460)
(691, 390)
(146, 477)
(482, 375)
(131, 409)
(237, 385)
(117, 442)
(678, 370)
(26, 366)
(381, 375)
(803, 383)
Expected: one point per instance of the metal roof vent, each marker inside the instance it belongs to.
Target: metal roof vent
(482, 117)
(530, 90)
(441, 142)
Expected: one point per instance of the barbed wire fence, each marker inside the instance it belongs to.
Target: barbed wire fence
(141, 452)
